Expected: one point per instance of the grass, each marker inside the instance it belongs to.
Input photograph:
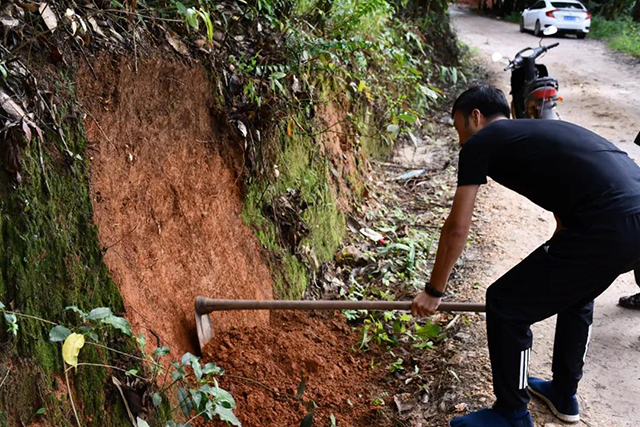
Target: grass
(513, 17)
(622, 35)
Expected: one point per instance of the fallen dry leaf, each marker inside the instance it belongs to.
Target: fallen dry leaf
(48, 16)
(290, 128)
(9, 105)
(95, 26)
(177, 44)
(461, 407)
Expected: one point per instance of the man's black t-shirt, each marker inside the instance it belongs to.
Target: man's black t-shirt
(565, 169)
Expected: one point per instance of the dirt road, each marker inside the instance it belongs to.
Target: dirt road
(600, 91)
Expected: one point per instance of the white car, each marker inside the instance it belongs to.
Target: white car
(569, 16)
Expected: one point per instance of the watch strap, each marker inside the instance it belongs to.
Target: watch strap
(429, 289)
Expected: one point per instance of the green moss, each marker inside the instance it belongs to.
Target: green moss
(296, 278)
(93, 378)
(305, 170)
(51, 259)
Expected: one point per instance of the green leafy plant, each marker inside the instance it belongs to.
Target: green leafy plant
(396, 366)
(196, 385)
(192, 17)
(379, 400)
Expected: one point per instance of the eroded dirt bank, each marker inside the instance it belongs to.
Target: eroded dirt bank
(165, 191)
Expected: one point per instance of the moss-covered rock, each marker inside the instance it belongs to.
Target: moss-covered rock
(51, 259)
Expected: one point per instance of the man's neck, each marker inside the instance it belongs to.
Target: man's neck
(495, 119)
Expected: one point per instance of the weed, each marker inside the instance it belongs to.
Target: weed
(396, 366)
(621, 34)
(380, 399)
(197, 388)
(513, 17)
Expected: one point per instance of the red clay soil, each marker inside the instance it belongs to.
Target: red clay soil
(165, 200)
(264, 366)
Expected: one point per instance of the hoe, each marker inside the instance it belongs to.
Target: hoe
(204, 306)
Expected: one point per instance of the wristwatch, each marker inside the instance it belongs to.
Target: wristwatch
(432, 291)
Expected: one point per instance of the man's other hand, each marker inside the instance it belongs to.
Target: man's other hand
(424, 305)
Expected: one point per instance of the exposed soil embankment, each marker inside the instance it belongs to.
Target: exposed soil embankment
(165, 191)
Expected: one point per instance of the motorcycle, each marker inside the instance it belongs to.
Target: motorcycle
(534, 93)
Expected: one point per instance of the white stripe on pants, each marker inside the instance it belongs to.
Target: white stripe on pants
(586, 346)
(525, 357)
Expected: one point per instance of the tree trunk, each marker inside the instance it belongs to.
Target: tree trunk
(635, 13)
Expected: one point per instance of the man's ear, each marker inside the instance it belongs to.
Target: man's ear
(476, 117)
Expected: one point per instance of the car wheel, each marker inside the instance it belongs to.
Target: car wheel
(522, 25)
(537, 31)
(582, 36)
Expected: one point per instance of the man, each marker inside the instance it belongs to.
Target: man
(593, 189)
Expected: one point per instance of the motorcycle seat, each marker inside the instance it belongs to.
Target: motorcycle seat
(543, 82)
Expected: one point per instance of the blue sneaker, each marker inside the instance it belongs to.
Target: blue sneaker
(491, 418)
(565, 408)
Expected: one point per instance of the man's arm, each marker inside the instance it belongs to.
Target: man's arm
(453, 238)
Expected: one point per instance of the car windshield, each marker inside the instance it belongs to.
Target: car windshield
(567, 5)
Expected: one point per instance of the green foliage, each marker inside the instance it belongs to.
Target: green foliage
(197, 390)
(513, 17)
(192, 17)
(306, 172)
(12, 323)
(59, 333)
(389, 328)
(396, 366)
(381, 67)
(610, 9)
(380, 399)
(622, 34)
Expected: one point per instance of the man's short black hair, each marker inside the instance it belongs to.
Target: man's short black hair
(488, 99)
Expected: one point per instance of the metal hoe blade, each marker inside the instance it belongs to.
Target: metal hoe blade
(204, 328)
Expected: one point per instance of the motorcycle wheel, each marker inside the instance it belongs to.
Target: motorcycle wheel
(537, 31)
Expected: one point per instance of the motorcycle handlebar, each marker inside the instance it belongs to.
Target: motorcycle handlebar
(536, 52)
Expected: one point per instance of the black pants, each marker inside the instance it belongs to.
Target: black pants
(561, 277)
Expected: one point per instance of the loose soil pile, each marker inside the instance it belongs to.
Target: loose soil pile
(264, 367)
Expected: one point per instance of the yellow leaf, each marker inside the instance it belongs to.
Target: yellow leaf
(71, 348)
(290, 128)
